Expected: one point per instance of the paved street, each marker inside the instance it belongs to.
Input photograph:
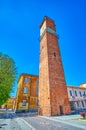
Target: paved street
(41, 123)
(34, 122)
(9, 124)
(11, 121)
(14, 124)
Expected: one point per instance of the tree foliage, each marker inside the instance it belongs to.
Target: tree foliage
(8, 73)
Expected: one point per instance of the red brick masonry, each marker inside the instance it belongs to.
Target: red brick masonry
(53, 97)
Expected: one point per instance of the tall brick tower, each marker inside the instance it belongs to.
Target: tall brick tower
(53, 97)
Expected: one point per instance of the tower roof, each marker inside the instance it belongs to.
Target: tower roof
(46, 18)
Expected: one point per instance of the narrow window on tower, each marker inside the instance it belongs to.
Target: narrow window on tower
(54, 54)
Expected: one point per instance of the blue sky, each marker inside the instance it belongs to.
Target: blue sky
(19, 34)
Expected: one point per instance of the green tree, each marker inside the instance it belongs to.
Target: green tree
(8, 72)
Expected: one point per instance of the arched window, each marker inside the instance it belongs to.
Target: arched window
(37, 81)
(26, 80)
(75, 93)
(37, 90)
(25, 89)
(80, 94)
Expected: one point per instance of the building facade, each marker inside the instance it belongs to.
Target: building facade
(27, 93)
(27, 96)
(77, 98)
(53, 96)
(10, 104)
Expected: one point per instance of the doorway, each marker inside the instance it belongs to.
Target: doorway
(61, 110)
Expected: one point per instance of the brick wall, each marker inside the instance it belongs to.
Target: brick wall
(53, 97)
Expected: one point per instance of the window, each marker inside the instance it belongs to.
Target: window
(84, 94)
(36, 90)
(54, 54)
(25, 89)
(24, 103)
(26, 80)
(77, 104)
(75, 93)
(72, 105)
(80, 94)
(37, 81)
(70, 93)
(82, 104)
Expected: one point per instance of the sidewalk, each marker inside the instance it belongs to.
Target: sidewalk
(67, 117)
(69, 120)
